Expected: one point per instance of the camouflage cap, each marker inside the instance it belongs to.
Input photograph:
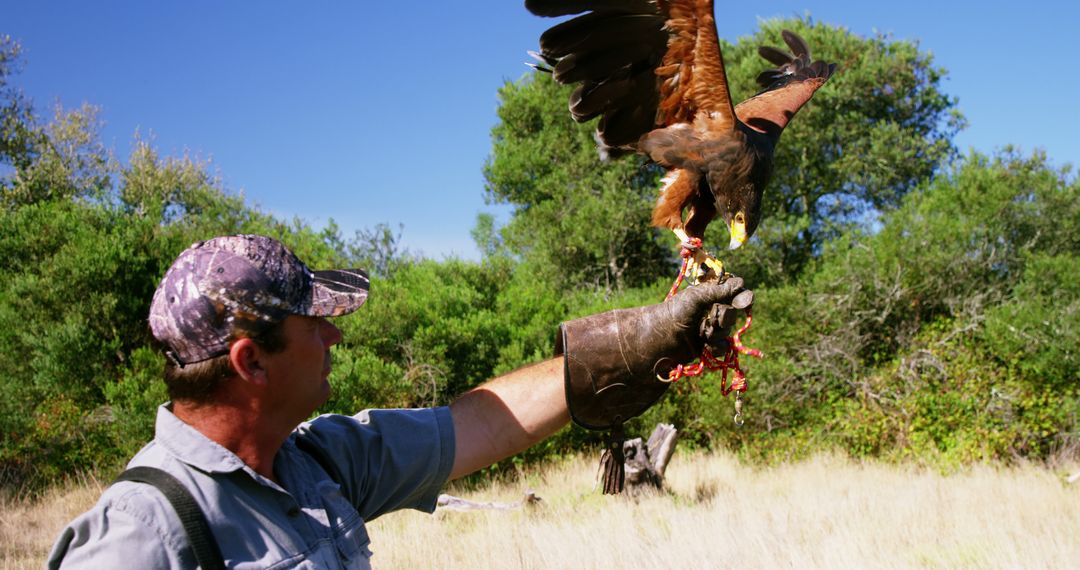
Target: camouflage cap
(215, 285)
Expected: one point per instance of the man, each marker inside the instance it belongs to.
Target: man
(245, 330)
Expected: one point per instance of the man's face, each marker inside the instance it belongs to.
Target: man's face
(298, 374)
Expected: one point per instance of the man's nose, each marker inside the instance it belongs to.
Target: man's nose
(330, 333)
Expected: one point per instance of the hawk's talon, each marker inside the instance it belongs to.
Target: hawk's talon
(716, 265)
(699, 263)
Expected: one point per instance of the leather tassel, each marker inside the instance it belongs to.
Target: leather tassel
(613, 463)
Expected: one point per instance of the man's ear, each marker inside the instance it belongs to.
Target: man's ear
(246, 358)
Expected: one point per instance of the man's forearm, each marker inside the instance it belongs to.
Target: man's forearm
(507, 415)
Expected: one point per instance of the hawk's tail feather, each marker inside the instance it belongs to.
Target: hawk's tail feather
(791, 67)
(798, 45)
(775, 56)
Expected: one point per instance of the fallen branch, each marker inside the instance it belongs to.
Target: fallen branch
(452, 503)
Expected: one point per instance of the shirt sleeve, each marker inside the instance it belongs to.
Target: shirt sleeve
(389, 459)
(113, 534)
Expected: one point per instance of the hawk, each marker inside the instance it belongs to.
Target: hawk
(653, 72)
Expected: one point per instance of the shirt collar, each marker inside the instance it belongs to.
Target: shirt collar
(190, 446)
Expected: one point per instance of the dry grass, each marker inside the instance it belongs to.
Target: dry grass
(824, 513)
(28, 529)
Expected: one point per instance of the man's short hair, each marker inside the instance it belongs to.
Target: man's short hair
(199, 382)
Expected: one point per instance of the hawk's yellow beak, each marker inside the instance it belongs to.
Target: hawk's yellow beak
(738, 232)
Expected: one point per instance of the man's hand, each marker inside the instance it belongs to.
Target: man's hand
(615, 362)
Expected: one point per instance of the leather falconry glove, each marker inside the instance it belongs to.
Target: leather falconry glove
(614, 361)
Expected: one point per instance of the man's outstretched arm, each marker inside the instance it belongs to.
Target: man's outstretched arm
(508, 415)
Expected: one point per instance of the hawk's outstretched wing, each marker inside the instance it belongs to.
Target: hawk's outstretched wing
(653, 73)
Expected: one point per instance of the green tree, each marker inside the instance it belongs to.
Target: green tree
(63, 158)
(17, 138)
(83, 242)
(879, 128)
(949, 335)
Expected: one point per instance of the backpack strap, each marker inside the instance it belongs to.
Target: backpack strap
(200, 538)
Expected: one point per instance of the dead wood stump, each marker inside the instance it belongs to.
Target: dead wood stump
(647, 462)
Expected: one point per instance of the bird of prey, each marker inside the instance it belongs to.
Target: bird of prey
(653, 72)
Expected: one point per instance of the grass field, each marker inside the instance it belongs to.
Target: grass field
(824, 513)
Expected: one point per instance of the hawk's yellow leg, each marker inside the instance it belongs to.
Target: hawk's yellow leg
(694, 270)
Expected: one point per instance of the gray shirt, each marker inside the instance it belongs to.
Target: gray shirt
(389, 460)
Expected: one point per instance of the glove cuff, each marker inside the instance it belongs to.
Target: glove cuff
(606, 384)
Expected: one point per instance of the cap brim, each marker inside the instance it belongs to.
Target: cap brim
(338, 292)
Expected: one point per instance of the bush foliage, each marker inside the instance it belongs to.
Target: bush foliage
(943, 331)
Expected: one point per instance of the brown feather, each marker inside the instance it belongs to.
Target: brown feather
(567, 7)
(601, 32)
(679, 189)
(702, 211)
(709, 89)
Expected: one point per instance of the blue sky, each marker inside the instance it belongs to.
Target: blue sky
(372, 113)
